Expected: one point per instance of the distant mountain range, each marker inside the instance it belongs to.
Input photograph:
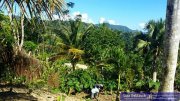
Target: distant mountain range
(113, 27)
(119, 28)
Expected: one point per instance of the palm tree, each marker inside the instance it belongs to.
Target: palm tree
(156, 31)
(72, 35)
(153, 42)
(29, 8)
(33, 7)
(117, 57)
(171, 44)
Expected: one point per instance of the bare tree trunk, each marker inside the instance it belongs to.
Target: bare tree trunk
(118, 90)
(154, 76)
(171, 44)
(154, 70)
(155, 67)
(22, 32)
(10, 13)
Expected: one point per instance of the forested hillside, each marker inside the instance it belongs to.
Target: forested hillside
(72, 56)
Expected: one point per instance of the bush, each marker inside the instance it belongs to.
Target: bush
(146, 85)
(110, 85)
(30, 46)
(79, 80)
(154, 85)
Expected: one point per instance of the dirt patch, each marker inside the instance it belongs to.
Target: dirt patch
(107, 97)
(101, 97)
(24, 94)
(12, 96)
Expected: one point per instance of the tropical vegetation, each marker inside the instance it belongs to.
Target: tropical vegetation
(34, 51)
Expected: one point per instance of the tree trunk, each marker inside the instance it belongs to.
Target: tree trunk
(154, 70)
(154, 76)
(171, 44)
(10, 13)
(18, 38)
(155, 66)
(22, 32)
(13, 28)
(73, 66)
(119, 81)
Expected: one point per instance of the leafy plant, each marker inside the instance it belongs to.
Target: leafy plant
(30, 46)
(154, 85)
(78, 80)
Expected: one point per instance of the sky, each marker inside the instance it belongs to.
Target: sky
(131, 13)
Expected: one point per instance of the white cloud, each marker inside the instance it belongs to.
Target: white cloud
(142, 25)
(102, 20)
(84, 17)
(112, 22)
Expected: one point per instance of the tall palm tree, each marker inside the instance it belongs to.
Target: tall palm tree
(156, 31)
(171, 44)
(153, 42)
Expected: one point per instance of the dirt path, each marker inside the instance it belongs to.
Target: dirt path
(23, 94)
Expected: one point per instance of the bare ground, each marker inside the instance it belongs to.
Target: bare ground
(21, 93)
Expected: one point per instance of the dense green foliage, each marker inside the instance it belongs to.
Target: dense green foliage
(119, 60)
(98, 42)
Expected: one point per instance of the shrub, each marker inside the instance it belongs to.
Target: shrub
(78, 81)
(30, 46)
(154, 85)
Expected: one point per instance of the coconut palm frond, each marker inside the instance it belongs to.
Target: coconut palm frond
(64, 36)
(35, 7)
